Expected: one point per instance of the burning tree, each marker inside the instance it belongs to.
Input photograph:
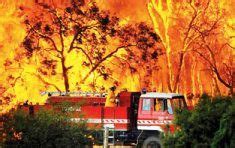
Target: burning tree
(200, 28)
(81, 33)
(210, 52)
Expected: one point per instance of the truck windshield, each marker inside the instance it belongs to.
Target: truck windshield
(173, 104)
(178, 103)
(159, 105)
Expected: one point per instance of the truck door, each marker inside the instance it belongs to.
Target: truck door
(160, 109)
(145, 108)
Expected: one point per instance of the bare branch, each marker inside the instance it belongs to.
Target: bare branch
(83, 29)
(227, 44)
(214, 69)
(70, 67)
(190, 23)
(46, 83)
(46, 37)
(84, 52)
(103, 59)
(72, 43)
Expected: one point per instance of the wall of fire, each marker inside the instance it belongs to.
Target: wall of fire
(191, 76)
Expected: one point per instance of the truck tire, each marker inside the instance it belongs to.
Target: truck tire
(151, 142)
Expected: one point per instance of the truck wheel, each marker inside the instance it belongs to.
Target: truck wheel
(152, 142)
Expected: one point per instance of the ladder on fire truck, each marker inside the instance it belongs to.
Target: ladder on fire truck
(74, 93)
(109, 129)
(111, 136)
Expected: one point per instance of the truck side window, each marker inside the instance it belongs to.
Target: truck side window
(146, 104)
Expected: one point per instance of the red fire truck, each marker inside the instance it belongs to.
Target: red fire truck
(138, 118)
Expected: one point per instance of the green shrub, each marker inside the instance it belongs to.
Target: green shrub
(209, 124)
(46, 128)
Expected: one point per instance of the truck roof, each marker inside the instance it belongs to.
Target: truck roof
(161, 95)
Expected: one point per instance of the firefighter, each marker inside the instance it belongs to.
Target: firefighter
(158, 105)
(31, 109)
(111, 96)
(117, 100)
(26, 103)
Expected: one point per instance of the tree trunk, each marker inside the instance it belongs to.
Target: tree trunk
(169, 73)
(102, 60)
(216, 86)
(65, 74)
(200, 85)
(193, 77)
(178, 72)
(231, 91)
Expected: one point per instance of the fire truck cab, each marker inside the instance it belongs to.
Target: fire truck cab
(155, 115)
(156, 109)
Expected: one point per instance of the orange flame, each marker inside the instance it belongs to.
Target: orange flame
(180, 69)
